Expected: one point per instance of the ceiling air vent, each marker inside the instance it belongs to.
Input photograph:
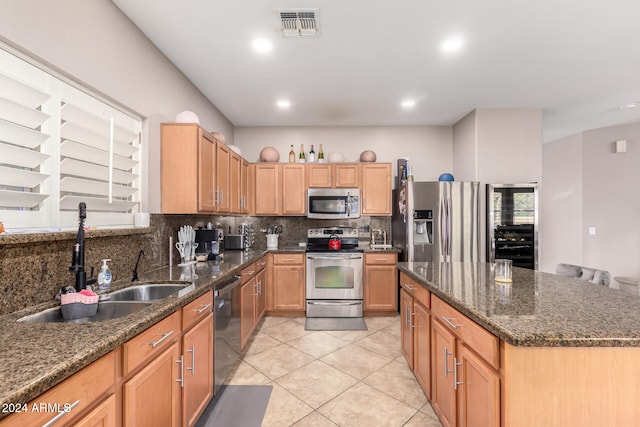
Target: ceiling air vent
(299, 22)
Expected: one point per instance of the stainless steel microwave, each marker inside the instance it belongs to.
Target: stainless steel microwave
(333, 203)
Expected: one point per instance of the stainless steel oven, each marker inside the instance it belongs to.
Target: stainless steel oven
(334, 285)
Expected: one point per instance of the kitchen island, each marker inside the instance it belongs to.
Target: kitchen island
(554, 351)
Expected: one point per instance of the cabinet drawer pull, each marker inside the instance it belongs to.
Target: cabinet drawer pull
(204, 307)
(409, 288)
(449, 320)
(154, 344)
(181, 379)
(411, 324)
(249, 273)
(456, 383)
(193, 360)
(61, 414)
(446, 363)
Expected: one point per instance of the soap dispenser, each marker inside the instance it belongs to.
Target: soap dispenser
(104, 277)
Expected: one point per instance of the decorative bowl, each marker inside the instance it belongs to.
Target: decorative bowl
(269, 154)
(445, 177)
(187, 117)
(368, 156)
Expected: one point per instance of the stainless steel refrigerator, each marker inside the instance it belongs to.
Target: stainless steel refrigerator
(437, 221)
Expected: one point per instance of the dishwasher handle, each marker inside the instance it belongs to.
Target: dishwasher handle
(227, 286)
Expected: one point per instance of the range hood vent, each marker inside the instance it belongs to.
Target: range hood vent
(299, 22)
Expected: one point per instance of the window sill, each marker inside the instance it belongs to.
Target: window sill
(48, 236)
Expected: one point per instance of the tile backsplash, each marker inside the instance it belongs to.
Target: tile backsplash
(33, 267)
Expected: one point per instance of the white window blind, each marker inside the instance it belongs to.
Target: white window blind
(59, 146)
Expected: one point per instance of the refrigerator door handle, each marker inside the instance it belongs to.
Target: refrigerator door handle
(442, 229)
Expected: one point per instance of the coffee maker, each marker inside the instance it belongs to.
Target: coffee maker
(209, 241)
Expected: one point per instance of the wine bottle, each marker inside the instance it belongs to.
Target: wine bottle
(320, 155)
(312, 155)
(292, 155)
(301, 157)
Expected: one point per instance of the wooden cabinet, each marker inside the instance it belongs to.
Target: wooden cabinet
(235, 183)
(287, 285)
(223, 196)
(415, 330)
(320, 175)
(247, 303)
(347, 175)
(245, 187)
(197, 357)
(91, 387)
(104, 415)
(380, 283)
(465, 366)
(152, 366)
(152, 396)
(294, 189)
(187, 169)
(443, 381)
(267, 189)
(261, 294)
(479, 392)
(376, 189)
(328, 175)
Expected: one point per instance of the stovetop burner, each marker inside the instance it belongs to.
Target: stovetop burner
(318, 239)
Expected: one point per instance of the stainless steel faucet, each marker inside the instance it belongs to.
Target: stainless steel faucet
(77, 260)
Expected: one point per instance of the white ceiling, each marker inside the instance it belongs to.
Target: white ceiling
(577, 60)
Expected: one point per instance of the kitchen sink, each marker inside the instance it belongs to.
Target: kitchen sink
(147, 292)
(107, 310)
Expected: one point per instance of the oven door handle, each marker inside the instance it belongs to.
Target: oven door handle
(339, 257)
(334, 303)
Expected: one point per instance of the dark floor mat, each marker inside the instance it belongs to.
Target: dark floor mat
(237, 406)
(335, 324)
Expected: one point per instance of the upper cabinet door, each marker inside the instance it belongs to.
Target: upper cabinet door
(294, 189)
(320, 175)
(347, 175)
(235, 183)
(187, 167)
(223, 157)
(267, 191)
(376, 189)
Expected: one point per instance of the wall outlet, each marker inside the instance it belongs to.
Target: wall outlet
(592, 231)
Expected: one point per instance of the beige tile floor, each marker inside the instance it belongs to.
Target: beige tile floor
(334, 378)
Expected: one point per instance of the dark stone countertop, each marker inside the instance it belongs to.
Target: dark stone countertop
(36, 356)
(536, 310)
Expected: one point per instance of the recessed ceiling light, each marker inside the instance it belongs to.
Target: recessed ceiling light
(283, 104)
(452, 44)
(408, 103)
(630, 105)
(262, 45)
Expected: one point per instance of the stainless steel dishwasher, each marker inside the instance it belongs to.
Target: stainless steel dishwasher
(227, 329)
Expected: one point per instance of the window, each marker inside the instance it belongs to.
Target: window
(61, 145)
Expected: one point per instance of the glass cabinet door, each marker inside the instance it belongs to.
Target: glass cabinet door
(512, 223)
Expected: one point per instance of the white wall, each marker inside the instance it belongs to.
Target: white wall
(590, 185)
(498, 146)
(95, 43)
(562, 200)
(428, 147)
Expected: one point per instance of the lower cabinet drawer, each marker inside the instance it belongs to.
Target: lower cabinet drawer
(196, 310)
(286, 259)
(150, 342)
(484, 343)
(72, 396)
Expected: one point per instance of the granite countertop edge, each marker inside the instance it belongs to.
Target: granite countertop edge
(556, 338)
(35, 361)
